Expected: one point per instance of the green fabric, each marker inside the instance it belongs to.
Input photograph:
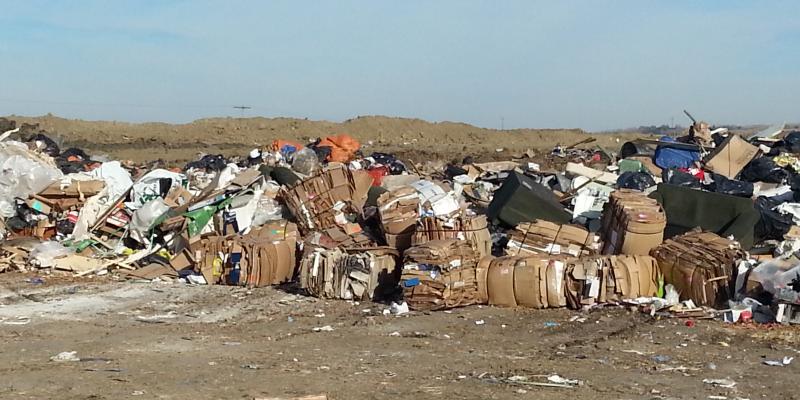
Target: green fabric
(198, 219)
(631, 166)
(720, 213)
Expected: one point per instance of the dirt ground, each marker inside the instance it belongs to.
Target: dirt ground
(173, 341)
(409, 138)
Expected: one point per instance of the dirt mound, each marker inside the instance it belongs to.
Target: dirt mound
(181, 142)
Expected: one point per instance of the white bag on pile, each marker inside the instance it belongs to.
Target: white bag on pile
(117, 179)
(148, 188)
(144, 217)
(22, 173)
(44, 253)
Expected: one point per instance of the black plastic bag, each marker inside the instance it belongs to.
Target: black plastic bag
(763, 169)
(48, 146)
(209, 162)
(396, 167)
(680, 178)
(721, 184)
(451, 171)
(792, 142)
(772, 224)
(71, 167)
(635, 180)
(323, 152)
(74, 152)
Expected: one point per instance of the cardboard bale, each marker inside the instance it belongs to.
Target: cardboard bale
(632, 223)
(701, 266)
(609, 279)
(263, 257)
(547, 238)
(332, 197)
(442, 274)
(338, 274)
(398, 210)
(535, 281)
(473, 229)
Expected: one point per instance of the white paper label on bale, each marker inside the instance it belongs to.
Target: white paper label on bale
(559, 266)
(458, 284)
(455, 263)
(553, 248)
(594, 286)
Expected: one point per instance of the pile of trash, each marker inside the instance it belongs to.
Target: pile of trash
(702, 226)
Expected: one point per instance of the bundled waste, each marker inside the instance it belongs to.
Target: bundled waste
(664, 224)
(442, 274)
(337, 274)
(543, 237)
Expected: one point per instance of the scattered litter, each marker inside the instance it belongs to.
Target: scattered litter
(399, 309)
(66, 356)
(723, 383)
(326, 328)
(564, 381)
(779, 363)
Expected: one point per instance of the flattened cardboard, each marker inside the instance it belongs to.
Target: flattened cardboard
(731, 156)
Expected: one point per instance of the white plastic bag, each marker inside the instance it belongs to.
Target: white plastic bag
(44, 253)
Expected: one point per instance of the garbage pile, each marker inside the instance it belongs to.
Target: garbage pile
(702, 226)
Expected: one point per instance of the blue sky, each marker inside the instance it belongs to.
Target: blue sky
(590, 64)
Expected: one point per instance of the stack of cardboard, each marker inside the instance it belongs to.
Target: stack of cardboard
(532, 281)
(337, 274)
(609, 279)
(442, 274)
(632, 223)
(547, 238)
(263, 257)
(333, 197)
(398, 210)
(701, 266)
(473, 229)
(60, 200)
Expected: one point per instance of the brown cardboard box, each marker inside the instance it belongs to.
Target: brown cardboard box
(75, 188)
(731, 156)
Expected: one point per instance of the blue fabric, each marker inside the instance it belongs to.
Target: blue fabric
(667, 158)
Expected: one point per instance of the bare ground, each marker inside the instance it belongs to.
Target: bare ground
(411, 138)
(163, 341)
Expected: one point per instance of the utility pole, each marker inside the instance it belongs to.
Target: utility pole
(502, 123)
(242, 108)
